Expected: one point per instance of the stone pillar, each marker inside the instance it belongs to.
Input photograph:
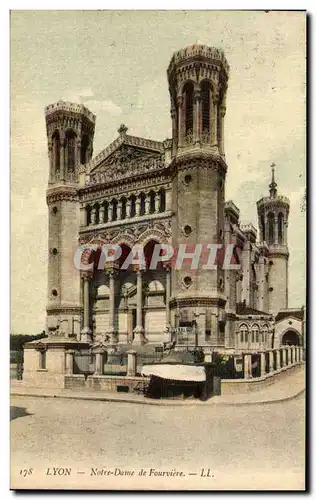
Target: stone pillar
(147, 204)
(301, 354)
(197, 116)
(168, 293)
(297, 354)
(69, 361)
(262, 364)
(86, 332)
(102, 213)
(110, 209)
(112, 329)
(284, 359)
(247, 366)
(99, 362)
(62, 157)
(119, 210)
(139, 337)
(131, 363)
(271, 362)
(275, 229)
(285, 232)
(180, 120)
(138, 205)
(128, 208)
(289, 356)
(157, 203)
(292, 355)
(221, 139)
(93, 216)
(278, 362)
(214, 124)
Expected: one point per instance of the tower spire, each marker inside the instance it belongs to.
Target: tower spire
(273, 184)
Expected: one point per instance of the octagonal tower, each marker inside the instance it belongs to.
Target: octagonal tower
(273, 217)
(198, 77)
(70, 131)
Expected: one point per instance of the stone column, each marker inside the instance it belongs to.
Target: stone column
(112, 328)
(62, 157)
(301, 354)
(168, 199)
(110, 209)
(128, 208)
(147, 204)
(271, 362)
(138, 205)
(276, 229)
(52, 162)
(289, 356)
(278, 361)
(297, 354)
(180, 120)
(197, 116)
(93, 216)
(86, 332)
(168, 294)
(214, 124)
(102, 213)
(262, 364)
(247, 366)
(283, 364)
(221, 140)
(119, 210)
(285, 232)
(139, 337)
(131, 363)
(157, 203)
(69, 361)
(99, 362)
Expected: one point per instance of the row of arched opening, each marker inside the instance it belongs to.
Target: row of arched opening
(253, 335)
(66, 151)
(126, 207)
(273, 228)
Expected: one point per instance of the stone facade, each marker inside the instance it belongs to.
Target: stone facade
(142, 192)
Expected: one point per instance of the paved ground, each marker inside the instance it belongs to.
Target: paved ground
(247, 447)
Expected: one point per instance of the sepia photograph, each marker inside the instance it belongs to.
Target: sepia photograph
(158, 250)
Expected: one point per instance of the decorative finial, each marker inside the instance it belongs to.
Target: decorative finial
(123, 129)
(273, 184)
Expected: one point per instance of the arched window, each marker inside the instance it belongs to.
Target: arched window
(56, 151)
(264, 332)
(263, 228)
(142, 203)
(114, 210)
(188, 102)
(133, 205)
(205, 102)
(88, 209)
(162, 206)
(84, 149)
(123, 212)
(152, 204)
(106, 211)
(255, 333)
(270, 228)
(71, 150)
(243, 333)
(280, 228)
(97, 213)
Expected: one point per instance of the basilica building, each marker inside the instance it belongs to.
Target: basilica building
(141, 192)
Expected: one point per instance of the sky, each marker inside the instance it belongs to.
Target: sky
(115, 63)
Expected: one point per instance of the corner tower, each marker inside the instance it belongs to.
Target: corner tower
(273, 216)
(70, 131)
(198, 77)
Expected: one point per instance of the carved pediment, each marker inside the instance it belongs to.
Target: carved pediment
(126, 161)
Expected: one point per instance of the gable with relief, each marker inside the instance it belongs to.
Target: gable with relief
(126, 161)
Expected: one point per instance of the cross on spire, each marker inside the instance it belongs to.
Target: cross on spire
(273, 184)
